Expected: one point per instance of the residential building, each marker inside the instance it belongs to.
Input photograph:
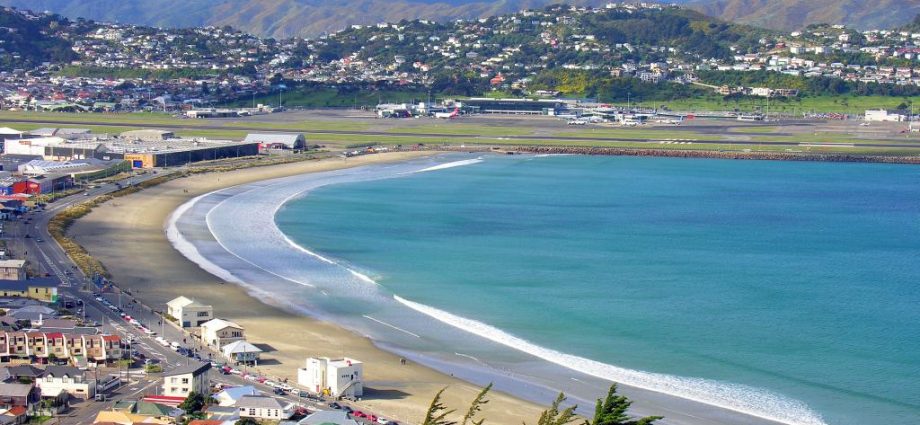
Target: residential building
(78, 348)
(188, 312)
(336, 377)
(219, 332)
(263, 408)
(241, 352)
(127, 418)
(23, 395)
(42, 289)
(67, 379)
(324, 417)
(229, 396)
(12, 270)
(183, 380)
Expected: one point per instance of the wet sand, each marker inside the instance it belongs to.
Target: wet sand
(127, 236)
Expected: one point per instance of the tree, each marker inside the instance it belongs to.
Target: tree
(553, 416)
(476, 406)
(612, 411)
(437, 412)
(193, 403)
(246, 421)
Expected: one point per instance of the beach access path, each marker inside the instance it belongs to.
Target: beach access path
(127, 235)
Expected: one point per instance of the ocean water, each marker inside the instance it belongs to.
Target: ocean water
(794, 284)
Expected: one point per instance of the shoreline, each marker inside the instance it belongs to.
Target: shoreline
(413, 393)
(673, 153)
(128, 237)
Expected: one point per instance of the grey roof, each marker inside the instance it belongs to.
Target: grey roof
(5, 374)
(194, 367)
(59, 371)
(58, 324)
(26, 370)
(22, 285)
(35, 309)
(258, 402)
(337, 417)
(15, 390)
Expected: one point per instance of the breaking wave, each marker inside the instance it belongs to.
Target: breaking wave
(739, 398)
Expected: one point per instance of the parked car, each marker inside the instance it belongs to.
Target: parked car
(278, 391)
(358, 414)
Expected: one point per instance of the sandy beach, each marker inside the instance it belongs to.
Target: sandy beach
(127, 235)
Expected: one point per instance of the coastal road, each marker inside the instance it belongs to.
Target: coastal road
(51, 257)
(691, 137)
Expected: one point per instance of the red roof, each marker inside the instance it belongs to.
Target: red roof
(205, 422)
(54, 335)
(17, 411)
(111, 338)
(165, 399)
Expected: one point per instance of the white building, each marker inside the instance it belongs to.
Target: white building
(241, 352)
(188, 312)
(277, 140)
(229, 396)
(71, 380)
(181, 381)
(263, 408)
(336, 377)
(219, 332)
(879, 115)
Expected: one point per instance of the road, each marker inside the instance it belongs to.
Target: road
(50, 257)
(462, 137)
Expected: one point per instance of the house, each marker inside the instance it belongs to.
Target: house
(263, 408)
(127, 418)
(24, 395)
(331, 417)
(219, 332)
(68, 379)
(149, 409)
(336, 377)
(183, 380)
(12, 269)
(277, 140)
(188, 312)
(222, 413)
(241, 352)
(229, 396)
(43, 289)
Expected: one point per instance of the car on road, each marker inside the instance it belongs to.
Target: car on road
(383, 421)
(278, 391)
(358, 414)
(39, 240)
(335, 405)
(372, 418)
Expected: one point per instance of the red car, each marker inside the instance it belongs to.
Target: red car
(372, 418)
(358, 414)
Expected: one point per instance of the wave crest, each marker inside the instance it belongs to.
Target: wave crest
(739, 398)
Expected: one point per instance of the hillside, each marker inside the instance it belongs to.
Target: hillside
(28, 42)
(278, 18)
(796, 14)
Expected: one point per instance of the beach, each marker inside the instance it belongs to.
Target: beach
(127, 235)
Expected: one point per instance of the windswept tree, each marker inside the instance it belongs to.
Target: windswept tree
(612, 411)
(437, 413)
(554, 416)
(476, 406)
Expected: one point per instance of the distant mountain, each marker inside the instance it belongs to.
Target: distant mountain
(278, 18)
(286, 18)
(796, 14)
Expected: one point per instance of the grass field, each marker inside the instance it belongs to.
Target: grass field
(333, 98)
(856, 105)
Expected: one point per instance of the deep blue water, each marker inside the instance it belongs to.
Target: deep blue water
(799, 278)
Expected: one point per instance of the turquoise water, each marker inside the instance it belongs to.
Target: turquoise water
(799, 278)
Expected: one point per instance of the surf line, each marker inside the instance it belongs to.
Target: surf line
(390, 326)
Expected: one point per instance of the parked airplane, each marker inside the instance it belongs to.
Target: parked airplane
(448, 115)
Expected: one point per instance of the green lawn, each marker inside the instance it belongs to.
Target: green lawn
(836, 104)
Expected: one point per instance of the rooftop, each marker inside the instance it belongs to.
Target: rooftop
(195, 368)
(258, 402)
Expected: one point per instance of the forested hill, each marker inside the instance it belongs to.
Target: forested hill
(29, 40)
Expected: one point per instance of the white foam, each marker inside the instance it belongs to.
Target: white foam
(451, 165)
(188, 249)
(739, 398)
